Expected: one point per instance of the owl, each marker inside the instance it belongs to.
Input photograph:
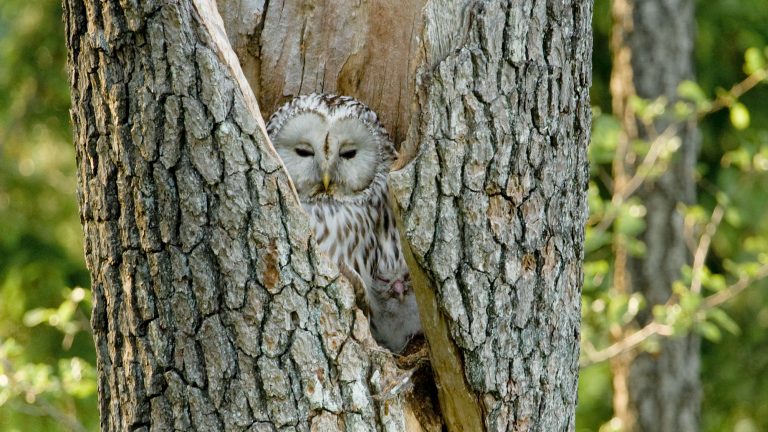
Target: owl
(338, 156)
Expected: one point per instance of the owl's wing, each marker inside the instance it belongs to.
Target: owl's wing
(359, 286)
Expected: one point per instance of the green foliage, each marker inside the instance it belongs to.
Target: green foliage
(49, 394)
(724, 299)
(739, 116)
(691, 91)
(47, 373)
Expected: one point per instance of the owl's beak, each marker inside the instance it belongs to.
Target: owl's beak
(326, 180)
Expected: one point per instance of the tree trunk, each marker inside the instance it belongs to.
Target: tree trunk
(494, 205)
(212, 308)
(653, 48)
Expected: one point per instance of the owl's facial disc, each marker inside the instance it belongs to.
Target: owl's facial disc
(300, 145)
(328, 156)
(353, 155)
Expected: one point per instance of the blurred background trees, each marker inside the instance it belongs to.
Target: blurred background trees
(719, 292)
(47, 377)
(47, 366)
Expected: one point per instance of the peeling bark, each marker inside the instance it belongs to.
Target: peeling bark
(212, 309)
(653, 54)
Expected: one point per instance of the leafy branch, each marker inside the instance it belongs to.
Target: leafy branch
(632, 341)
(616, 221)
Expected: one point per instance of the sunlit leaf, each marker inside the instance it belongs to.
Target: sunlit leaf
(605, 137)
(683, 110)
(37, 316)
(635, 247)
(733, 216)
(710, 331)
(739, 116)
(595, 240)
(78, 377)
(630, 219)
(691, 90)
(754, 60)
(721, 318)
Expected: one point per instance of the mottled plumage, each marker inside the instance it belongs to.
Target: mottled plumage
(339, 155)
(394, 306)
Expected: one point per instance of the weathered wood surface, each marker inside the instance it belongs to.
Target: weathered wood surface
(365, 48)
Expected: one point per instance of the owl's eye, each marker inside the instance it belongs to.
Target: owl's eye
(302, 152)
(348, 154)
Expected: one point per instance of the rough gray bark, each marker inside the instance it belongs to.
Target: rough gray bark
(658, 36)
(494, 204)
(212, 309)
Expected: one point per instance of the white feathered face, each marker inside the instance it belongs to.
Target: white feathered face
(328, 156)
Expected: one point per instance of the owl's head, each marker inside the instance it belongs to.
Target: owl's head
(333, 146)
